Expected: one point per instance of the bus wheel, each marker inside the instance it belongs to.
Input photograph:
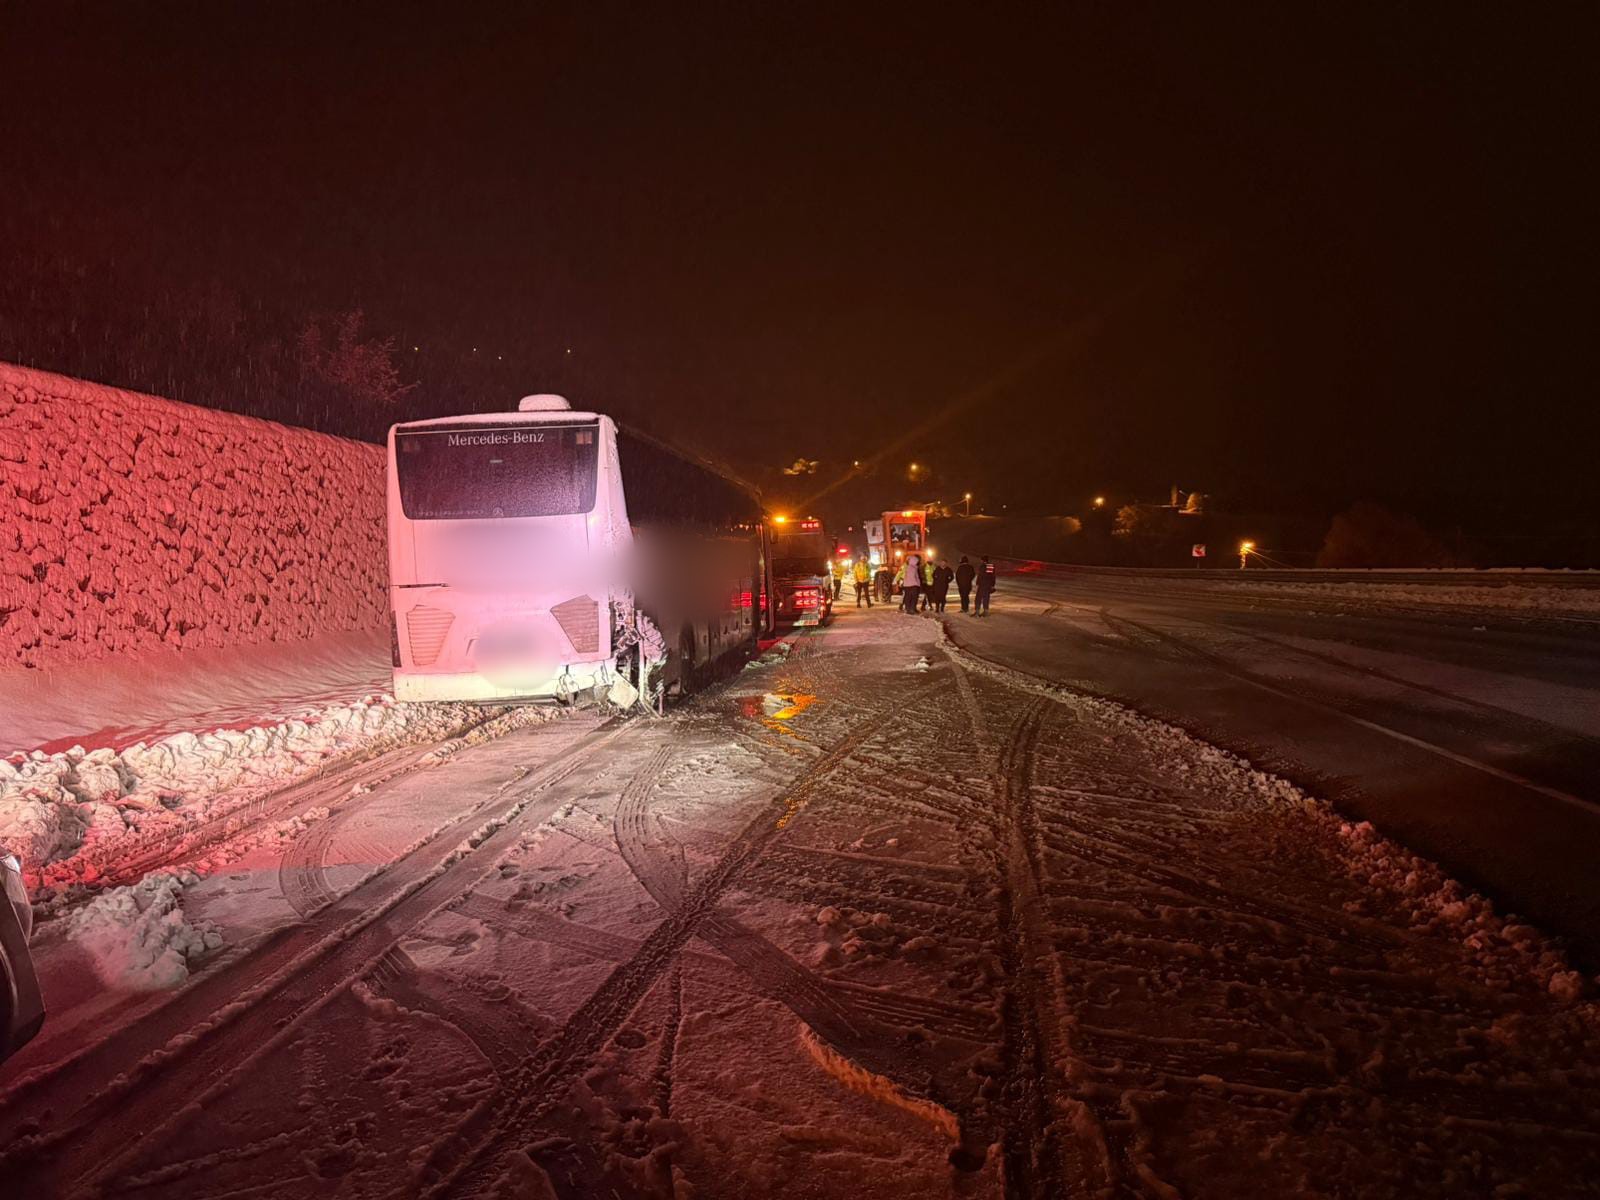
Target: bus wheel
(688, 679)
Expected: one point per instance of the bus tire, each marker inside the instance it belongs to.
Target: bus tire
(688, 678)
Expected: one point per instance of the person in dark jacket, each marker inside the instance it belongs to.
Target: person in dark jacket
(965, 572)
(942, 575)
(985, 587)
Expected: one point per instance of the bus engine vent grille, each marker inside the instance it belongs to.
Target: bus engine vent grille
(425, 630)
(580, 621)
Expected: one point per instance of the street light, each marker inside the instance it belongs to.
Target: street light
(1246, 549)
(966, 502)
(1099, 501)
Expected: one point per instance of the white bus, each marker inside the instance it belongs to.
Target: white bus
(544, 554)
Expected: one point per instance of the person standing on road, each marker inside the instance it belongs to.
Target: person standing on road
(964, 576)
(911, 583)
(863, 577)
(942, 575)
(836, 568)
(985, 587)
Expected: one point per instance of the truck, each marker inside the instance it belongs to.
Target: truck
(898, 534)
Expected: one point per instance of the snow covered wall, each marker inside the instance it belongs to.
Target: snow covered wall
(129, 522)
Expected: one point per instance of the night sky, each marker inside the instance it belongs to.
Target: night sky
(1289, 260)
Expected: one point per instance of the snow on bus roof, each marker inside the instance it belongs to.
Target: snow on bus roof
(563, 417)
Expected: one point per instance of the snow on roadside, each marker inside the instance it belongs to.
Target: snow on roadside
(1524, 598)
(1504, 949)
(73, 814)
(137, 937)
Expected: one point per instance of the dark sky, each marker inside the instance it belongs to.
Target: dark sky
(1282, 258)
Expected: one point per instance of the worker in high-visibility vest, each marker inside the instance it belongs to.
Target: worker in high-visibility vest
(862, 573)
(836, 568)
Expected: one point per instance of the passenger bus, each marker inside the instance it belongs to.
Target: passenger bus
(802, 585)
(546, 554)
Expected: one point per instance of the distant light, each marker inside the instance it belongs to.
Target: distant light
(1246, 547)
(569, 349)
(775, 520)
(474, 349)
(414, 349)
(1099, 501)
(499, 358)
(855, 462)
(968, 496)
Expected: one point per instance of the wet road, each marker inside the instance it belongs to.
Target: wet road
(1471, 736)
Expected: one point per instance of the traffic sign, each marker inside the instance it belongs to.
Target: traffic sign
(1198, 550)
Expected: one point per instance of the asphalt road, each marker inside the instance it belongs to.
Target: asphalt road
(1471, 737)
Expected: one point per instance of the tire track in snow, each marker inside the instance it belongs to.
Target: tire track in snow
(467, 1160)
(302, 872)
(192, 1047)
(324, 787)
(1332, 1031)
(1040, 1156)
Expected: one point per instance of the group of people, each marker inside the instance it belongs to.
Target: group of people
(922, 588)
(927, 589)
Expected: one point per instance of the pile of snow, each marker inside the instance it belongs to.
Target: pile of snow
(137, 937)
(71, 816)
(1503, 949)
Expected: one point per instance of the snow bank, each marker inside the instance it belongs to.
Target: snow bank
(74, 815)
(129, 522)
(137, 937)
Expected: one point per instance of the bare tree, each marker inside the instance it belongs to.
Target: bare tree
(340, 366)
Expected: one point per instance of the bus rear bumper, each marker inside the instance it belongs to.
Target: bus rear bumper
(419, 687)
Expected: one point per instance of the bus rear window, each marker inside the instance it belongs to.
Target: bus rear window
(801, 553)
(461, 472)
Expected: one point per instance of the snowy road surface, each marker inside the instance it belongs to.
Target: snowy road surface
(874, 918)
(1471, 735)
